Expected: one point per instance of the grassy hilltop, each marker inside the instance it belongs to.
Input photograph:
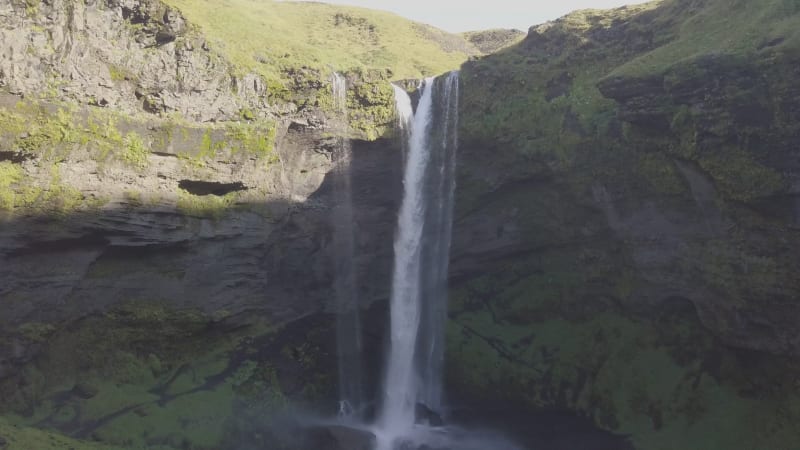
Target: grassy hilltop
(274, 38)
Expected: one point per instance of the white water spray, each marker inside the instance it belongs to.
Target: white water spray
(418, 300)
(401, 384)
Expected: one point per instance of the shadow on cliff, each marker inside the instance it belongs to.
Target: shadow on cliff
(605, 223)
(145, 325)
(152, 309)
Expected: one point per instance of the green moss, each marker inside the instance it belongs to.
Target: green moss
(10, 174)
(247, 114)
(35, 331)
(31, 8)
(56, 199)
(738, 271)
(660, 172)
(648, 381)
(11, 124)
(739, 177)
(257, 139)
(207, 206)
(49, 135)
(135, 153)
(134, 198)
(506, 102)
(547, 331)
(207, 147)
(102, 134)
(59, 199)
(120, 74)
(149, 378)
(370, 107)
(26, 438)
(54, 135)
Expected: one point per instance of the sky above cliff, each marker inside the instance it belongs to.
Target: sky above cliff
(458, 15)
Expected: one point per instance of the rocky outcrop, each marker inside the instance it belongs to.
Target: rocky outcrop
(725, 124)
(132, 56)
(492, 41)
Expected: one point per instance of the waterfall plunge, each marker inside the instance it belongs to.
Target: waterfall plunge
(422, 243)
(419, 283)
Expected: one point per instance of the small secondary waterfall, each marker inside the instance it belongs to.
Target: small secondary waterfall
(422, 244)
(348, 326)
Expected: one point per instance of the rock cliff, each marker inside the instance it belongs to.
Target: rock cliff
(625, 239)
(166, 229)
(630, 177)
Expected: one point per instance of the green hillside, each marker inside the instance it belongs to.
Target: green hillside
(273, 38)
(490, 41)
(734, 27)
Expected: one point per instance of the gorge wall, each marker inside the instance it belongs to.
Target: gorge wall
(167, 251)
(625, 234)
(627, 224)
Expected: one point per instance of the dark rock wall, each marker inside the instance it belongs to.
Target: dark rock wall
(626, 240)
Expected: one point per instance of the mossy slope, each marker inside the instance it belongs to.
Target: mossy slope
(146, 377)
(639, 162)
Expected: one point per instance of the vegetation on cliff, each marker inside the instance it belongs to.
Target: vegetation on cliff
(632, 164)
(143, 376)
(640, 161)
(555, 92)
(742, 28)
(57, 135)
(492, 41)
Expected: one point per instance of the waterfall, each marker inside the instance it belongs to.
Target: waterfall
(435, 258)
(348, 326)
(422, 244)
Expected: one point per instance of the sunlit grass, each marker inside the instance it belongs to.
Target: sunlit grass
(270, 37)
(738, 27)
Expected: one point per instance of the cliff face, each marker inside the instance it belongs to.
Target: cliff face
(166, 231)
(127, 55)
(624, 248)
(127, 140)
(627, 223)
